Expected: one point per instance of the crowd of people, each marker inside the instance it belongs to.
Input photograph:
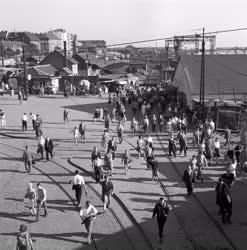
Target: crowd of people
(152, 112)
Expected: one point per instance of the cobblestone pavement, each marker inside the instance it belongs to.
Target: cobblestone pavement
(62, 229)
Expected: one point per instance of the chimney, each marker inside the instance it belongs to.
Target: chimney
(74, 45)
(65, 53)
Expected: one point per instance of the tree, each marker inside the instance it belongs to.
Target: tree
(32, 50)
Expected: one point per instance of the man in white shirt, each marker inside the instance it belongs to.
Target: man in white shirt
(87, 215)
(24, 122)
(212, 125)
(77, 183)
(41, 200)
(146, 124)
(33, 118)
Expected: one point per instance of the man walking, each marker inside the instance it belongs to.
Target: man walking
(33, 118)
(88, 215)
(65, 115)
(41, 201)
(82, 130)
(162, 210)
(48, 148)
(28, 159)
(107, 191)
(24, 122)
(77, 183)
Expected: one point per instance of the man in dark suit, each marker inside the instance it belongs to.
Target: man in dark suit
(48, 148)
(161, 209)
(28, 159)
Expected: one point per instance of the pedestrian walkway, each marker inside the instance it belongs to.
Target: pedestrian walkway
(61, 229)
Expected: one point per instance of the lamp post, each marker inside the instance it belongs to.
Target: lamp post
(24, 71)
(202, 81)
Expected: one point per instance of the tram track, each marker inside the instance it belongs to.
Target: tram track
(199, 203)
(195, 241)
(98, 195)
(53, 180)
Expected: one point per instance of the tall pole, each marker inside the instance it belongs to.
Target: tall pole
(2, 53)
(234, 95)
(24, 71)
(219, 91)
(202, 80)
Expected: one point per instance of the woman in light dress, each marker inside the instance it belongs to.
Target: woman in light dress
(76, 135)
(31, 196)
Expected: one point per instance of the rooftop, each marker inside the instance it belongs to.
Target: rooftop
(221, 71)
(31, 36)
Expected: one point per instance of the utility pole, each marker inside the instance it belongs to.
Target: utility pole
(2, 53)
(24, 70)
(202, 81)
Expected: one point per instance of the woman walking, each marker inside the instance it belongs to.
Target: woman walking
(126, 160)
(31, 197)
(24, 240)
(76, 135)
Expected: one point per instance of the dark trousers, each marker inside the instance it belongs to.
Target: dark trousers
(172, 150)
(47, 154)
(33, 122)
(97, 174)
(161, 127)
(161, 223)
(24, 125)
(226, 213)
(78, 192)
(183, 148)
(120, 137)
(28, 165)
(153, 127)
(189, 188)
(39, 205)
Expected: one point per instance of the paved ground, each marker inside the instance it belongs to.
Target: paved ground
(62, 229)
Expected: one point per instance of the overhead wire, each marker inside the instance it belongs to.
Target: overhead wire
(167, 38)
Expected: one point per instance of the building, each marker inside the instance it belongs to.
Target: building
(44, 45)
(45, 75)
(65, 37)
(60, 61)
(49, 42)
(3, 35)
(13, 45)
(89, 64)
(30, 39)
(225, 78)
(91, 46)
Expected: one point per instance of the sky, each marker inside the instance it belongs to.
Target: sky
(117, 21)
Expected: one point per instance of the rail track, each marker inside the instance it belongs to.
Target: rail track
(98, 195)
(196, 242)
(52, 179)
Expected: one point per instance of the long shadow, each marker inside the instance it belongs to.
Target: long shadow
(16, 216)
(140, 193)
(10, 159)
(53, 122)
(12, 171)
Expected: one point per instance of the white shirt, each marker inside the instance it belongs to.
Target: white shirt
(78, 180)
(91, 210)
(212, 124)
(146, 121)
(41, 141)
(33, 117)
(24, 118)
(216, 144)
(150, 140)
